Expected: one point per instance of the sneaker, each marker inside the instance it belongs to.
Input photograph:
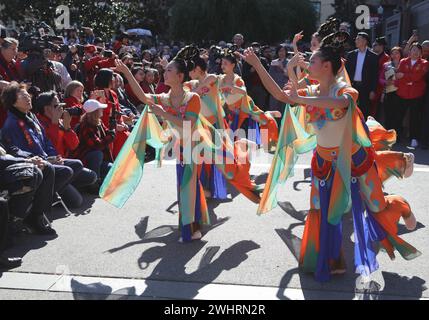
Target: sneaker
(41, 226)
(10, 263)
(414, 143)
(410, 222)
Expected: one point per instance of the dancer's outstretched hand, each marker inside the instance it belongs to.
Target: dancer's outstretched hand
(298, 37)
(292, 93)
(157, 109)
(297, 60)
(250, 57)
(121, 67)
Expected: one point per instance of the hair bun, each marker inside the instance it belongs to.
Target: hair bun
(332, 25)
(188, 53)
(229, 52)
(332, 37)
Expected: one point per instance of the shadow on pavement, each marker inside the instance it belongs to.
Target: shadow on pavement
(391, 284)
(172, 267)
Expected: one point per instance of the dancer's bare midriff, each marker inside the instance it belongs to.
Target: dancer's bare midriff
(331, 135)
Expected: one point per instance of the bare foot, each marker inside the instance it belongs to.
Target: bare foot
(338, 272)
(411, 222)
(409, 169)
(197, 235)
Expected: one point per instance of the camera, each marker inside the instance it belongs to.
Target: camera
(112, 123)
(108, 54)
(80, 50)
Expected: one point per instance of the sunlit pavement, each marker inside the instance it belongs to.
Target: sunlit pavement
(133, 253)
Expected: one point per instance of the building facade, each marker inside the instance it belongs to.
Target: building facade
(405, 17)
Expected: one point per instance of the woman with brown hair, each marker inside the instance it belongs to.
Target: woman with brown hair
(392, 102)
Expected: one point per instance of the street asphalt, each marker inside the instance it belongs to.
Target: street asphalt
(251, 253)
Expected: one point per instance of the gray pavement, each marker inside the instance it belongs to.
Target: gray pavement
(241, 253)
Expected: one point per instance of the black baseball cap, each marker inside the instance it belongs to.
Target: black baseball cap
(381, 41)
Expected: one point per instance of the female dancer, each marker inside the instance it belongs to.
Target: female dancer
(241, 107)
(344, 172)
(389, 163)
(176, 108)
(207, 87)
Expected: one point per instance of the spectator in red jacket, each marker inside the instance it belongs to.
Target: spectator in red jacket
(113, 113)
(122, 41)
(95, 140)
(73, 97)
(148, 81)
(411, 84)
(57, 123)
(9, 70)
(94, 64)
(161, 87)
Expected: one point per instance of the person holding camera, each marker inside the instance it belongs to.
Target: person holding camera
(57, 124)
(95, 63)
(73, 98)
(74, 63)
(104, 81)
(96, 140)
(59, 68)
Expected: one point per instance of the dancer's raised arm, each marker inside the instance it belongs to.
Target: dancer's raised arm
(269, 83)
(135, 86)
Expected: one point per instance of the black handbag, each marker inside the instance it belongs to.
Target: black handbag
(18, 176)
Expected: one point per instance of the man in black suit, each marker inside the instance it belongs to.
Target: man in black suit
(362, 66)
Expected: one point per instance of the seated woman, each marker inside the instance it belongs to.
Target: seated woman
(95, 141)
(23, 130)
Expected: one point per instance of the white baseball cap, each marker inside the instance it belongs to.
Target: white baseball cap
(93, 105)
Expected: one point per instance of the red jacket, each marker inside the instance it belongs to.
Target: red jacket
(162, 88)
(134, 100)
(9, 71)
(114, 106)
(94, 138)
(92, 66)
(413, 84)
(72, 102)
(65, 142)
